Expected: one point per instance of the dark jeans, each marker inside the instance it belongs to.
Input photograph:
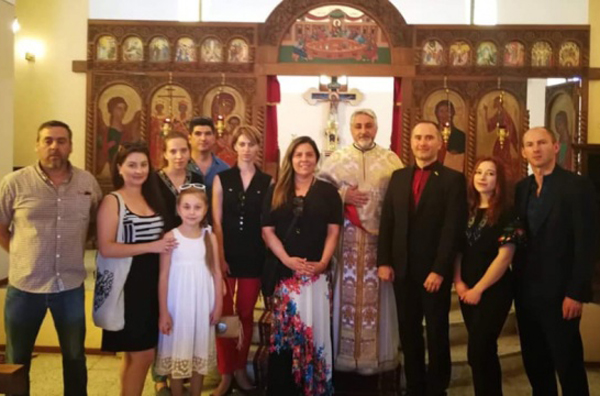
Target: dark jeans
(23, 316)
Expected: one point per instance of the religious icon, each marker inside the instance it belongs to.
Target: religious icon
(106, 48)
(487, 54)
(169, 102)
(491, 114)
(133, 49)
(433, 53)
(224, 149)
(334, 33)
(443, 108)
(568, 55)
(239, 51)
(117, 122)
(562, 119)
(541, 54)
(159, 49)
(186, 50)
(460, 53)
(514, 54)
(211, 51)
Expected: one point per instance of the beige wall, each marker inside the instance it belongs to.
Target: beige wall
(47, 88)
(7, 15)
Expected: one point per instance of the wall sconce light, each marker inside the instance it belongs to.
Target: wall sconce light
(30, 49)
(16, 26)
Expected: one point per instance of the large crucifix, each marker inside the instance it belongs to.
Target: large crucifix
(334, 92)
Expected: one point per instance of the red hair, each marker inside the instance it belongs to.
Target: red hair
(499, 200)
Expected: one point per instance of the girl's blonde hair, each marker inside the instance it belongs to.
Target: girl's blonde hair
(210, 259)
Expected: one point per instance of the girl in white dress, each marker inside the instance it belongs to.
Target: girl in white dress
(190, 292)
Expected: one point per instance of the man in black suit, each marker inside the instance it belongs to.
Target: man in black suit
(423, 220)
(553, 275)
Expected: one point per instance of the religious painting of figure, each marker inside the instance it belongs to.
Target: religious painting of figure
(491, 115)
(211, 51)
(514, 54)
(460, 54)
(172, 103)
(335, 34)
(562, 119)
(568, 55)
(432, 54)
(223, 148)
(441, 109)
(541, 54)
(133, 49)
(186, 50)
(238, 52)
(159, 50)
(228, 103)
(117, 121)
(106, 48)
(487, 54)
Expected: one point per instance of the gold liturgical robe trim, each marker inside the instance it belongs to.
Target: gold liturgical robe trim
(365, 318)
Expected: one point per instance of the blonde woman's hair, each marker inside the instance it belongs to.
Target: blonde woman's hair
(284, 188)
(245, 130)
(210, 259)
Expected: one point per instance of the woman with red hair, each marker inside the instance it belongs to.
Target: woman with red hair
(482, 276)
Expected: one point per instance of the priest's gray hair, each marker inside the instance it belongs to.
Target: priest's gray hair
(367, 112)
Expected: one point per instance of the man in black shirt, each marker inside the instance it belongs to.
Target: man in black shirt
(554, 274)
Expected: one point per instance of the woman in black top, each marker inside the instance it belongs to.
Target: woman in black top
(301, 224)
(143, 240)
(482, 278)
(238, 195)
(176, 154)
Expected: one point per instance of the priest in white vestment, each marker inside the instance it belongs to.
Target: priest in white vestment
(365, 320)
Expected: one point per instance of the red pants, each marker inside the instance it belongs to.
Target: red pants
(229, 358)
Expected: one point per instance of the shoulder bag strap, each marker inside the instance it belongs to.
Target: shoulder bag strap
(120, 230)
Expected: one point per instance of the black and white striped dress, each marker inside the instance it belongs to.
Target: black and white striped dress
(141, 289)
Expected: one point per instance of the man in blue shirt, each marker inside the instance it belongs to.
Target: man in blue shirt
(203, 138)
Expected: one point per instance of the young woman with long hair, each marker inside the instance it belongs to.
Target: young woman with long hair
(135, 184)
(301, 224)
(482, 276)
(175, 173)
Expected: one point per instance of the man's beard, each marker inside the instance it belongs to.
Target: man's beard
(365, 144)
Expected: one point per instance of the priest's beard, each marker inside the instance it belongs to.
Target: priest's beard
(365, 144)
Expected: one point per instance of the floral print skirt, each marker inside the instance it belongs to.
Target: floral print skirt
(301, 324)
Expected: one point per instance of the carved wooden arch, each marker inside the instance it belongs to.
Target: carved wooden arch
(383, 12)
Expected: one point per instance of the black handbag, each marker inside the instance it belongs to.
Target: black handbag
(274, 270)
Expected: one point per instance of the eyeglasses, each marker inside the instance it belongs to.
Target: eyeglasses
(198, 186)
(298, 204)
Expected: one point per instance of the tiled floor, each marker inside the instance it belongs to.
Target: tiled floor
(103, 373)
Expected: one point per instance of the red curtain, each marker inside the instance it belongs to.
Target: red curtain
(273, 99)
(396, 142)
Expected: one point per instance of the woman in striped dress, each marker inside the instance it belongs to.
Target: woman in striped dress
(143, 224)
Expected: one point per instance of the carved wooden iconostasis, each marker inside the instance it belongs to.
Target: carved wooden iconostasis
(473, 77)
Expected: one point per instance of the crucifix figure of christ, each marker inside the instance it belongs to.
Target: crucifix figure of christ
(334, 92)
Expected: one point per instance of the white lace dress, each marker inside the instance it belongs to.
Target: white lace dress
(191, 296)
